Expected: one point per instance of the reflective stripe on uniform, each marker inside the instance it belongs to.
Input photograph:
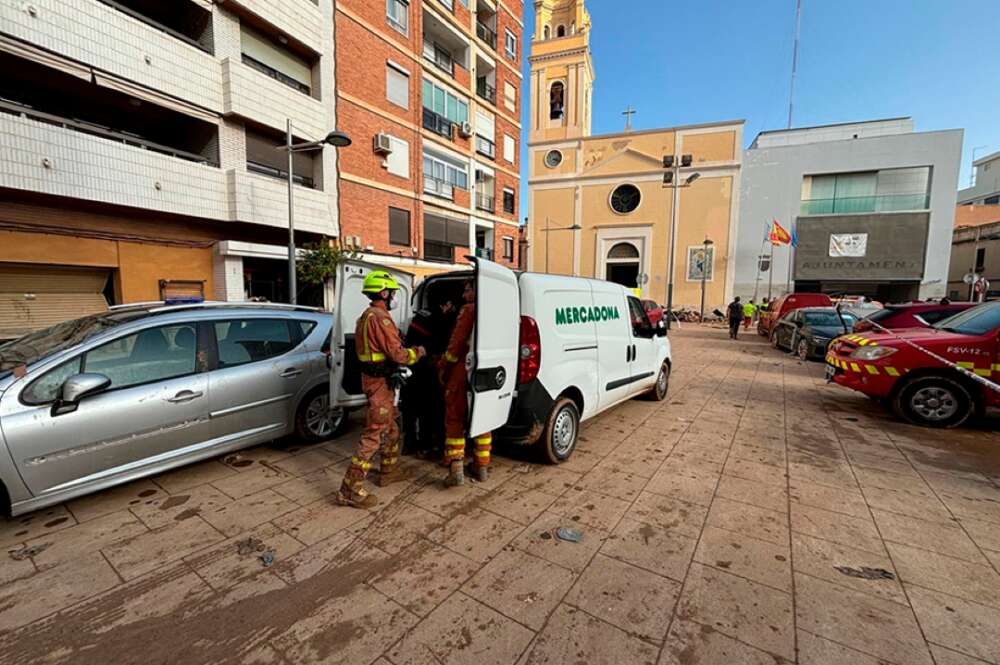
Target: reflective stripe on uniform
(371, 357)
(360, 463)
(484, 439)
(450, 357)
(482, 453)
(411, 356)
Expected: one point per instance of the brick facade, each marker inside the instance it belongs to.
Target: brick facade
(366, 45)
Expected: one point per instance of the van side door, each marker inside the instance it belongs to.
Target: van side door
(349, 304)
(645, 353)
(494, 356)
(614, 342)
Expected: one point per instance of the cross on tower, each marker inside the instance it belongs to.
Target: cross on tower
(628, 113)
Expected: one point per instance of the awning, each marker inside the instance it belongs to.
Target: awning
(36, 297)
(28, 52)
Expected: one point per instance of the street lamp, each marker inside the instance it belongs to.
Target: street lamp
(337, 140)
(704, 274)
(671, 180)
(547, 230)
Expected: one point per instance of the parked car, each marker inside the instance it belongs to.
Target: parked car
(807, 332)
(926, 389)
(785, 304)
(653, 311)
(102, 400)
(911, 315)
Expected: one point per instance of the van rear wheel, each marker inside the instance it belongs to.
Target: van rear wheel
(561, 431)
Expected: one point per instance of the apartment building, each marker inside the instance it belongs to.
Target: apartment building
(430, 91)
(140, 150)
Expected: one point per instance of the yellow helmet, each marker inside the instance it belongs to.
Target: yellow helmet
(378, 281)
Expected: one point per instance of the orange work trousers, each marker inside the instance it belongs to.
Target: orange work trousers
(455, 383)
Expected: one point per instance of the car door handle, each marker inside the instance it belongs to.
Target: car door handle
(291, 373)
(184, 396)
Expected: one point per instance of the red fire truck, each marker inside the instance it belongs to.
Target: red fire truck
(937, 376)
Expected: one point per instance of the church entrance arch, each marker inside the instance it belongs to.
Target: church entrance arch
(622, 265)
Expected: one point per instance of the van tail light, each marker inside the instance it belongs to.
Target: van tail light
(529, 351)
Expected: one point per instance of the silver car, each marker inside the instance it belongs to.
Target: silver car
(109, 398)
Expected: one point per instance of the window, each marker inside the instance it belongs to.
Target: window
(439, 56)
(399, 227)
(510, 45)
(553, 158)
(397, 85)
(508, 248)
(442, 175)
(509, 149)
(508, 200)
(991, 200)
(873, 191)
(250, 340)
(264, 159)
(641, 327)
(45, 389)
(976, 321)
(275, 60)
(397, 15)
(557, 95)
(397, 162)
(546, 32)
(444, 103)
(561, 31)
(510, 96)
(155, 354)
(980, 259)
(625, 199)
(442, 235)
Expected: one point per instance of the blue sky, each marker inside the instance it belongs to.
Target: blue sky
(935, 60)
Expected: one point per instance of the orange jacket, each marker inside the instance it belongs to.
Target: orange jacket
(458, 345)
(376, 338)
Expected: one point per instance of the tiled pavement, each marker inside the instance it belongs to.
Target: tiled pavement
(714, 522)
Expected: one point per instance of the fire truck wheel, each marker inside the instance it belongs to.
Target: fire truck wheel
(934, 401)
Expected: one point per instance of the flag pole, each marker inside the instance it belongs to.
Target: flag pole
(770, 274)
(760, 256)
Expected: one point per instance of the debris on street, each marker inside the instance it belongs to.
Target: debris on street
(250, 546)
(28, 552)
(569, 535)
(865, 573)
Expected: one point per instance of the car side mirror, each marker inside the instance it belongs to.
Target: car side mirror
(76, 388)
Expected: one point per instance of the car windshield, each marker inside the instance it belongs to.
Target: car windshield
(976, 321)
(829, 319)
(34, 346)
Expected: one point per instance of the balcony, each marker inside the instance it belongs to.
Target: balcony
(486, 202)
(439, 251)
(296, 18)
(280, 174)
(262, 199)
(439, 57)
(487, 34)
(275, 74)
(863, 204)
(439, 187)
(485, 253)
(486, 147)
(437, 123)
(48, 154)
(486, 91)
(251, 94)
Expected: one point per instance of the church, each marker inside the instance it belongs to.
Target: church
(599, 206)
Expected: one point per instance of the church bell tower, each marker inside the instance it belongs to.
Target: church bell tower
(562, 74)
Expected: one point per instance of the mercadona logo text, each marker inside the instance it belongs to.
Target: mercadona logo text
(570, 315)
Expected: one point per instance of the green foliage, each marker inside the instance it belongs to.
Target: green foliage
(321, 260)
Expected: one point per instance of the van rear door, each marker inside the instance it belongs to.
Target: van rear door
(495, 349)
(350, 302)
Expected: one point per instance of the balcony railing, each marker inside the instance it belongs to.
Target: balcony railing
(485, 253)
(275, 74)
(486, 202)
(159, 26)
(100, 131)
(438, 251)
(862, 204)
(486, 91)
(437, 123)
(264, 169)
(439, 187)
(487, 34)
(486, 147)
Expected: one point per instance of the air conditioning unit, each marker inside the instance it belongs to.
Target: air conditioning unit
(382, 144)
(465, 129)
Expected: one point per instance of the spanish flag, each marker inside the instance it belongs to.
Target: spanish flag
(778, 234)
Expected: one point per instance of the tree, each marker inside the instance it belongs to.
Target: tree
(318, 265)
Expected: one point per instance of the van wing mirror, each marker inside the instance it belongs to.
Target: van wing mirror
(661, 331)
(76, 388)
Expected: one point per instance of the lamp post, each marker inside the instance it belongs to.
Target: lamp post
(671, 180)
(335, 139)
(704, 274)
(547, 230)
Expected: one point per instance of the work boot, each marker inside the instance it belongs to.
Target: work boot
(393, 474)
(478, 473)
(355, 497)
(456, 475)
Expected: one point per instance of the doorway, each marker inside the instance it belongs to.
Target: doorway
(622, 266)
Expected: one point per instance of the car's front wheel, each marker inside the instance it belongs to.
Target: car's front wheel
(315, 421)
(803, 349)
(561, 431)
(658, 392)
(934, 401)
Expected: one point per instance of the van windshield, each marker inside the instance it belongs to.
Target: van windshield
(976, 321)
(34, 346)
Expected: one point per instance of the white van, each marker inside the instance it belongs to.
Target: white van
(548, 353)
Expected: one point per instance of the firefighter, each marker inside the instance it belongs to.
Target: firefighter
(454, 379)
(381, 353)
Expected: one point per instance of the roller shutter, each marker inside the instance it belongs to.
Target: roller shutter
(35, 297)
